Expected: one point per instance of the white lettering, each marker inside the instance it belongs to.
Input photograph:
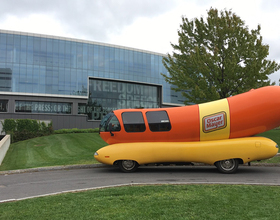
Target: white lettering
(97, 86)
(214, 122)
(105, 87)
(129, 88)
(113, 87)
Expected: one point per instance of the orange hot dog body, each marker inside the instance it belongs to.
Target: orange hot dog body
(242, 115)
(254, 112)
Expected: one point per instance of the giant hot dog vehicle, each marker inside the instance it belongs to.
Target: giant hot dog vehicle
(220, 133)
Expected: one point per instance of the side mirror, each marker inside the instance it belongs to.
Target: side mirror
(110, 129)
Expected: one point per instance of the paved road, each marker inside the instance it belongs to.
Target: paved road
(33, 184)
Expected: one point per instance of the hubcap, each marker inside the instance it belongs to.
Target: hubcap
(228, 164)
(128, 164)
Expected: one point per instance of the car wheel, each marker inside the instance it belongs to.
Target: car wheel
(227, 166)
(128, 166)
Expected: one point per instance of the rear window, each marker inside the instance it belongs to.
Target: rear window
(158, 121)
(133, 122)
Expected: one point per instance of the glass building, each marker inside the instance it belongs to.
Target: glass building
(74, 83)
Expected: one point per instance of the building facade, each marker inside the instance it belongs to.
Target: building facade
(74, 83)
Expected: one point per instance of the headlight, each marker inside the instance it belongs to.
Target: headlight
(277, 146)
(95, 154)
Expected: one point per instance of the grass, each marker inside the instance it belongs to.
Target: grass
(153, 202)
(131, 202)
(273, 135)
(54, 150)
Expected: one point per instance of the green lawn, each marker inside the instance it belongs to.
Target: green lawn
(153, 202)
(273, 135)
(131, 202)
(53, 150)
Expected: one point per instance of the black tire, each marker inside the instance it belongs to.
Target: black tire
(128, 166)
(227, 166)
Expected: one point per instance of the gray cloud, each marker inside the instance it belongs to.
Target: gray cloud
(90, 19)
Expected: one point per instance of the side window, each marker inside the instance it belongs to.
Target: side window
(133, 122)
(158, 121)
(103, 123)
(115, 124)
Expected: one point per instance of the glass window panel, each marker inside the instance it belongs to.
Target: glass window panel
(67, 57)
(55, 53)
(61, 80)
(113, 124)
(16, 48)
(117, 60)
(79, 55)
(3, 47)
(133, 122)
(10, 48)
(67, 81)
(85, 56)
(6, 79)
(35, 79)
(96, 55)
(55, 80)
(61, 53)
(23, 78)
(90, 57)
(73, 81)
(23, 49)
(49, 52)
(42, 78)
(30, 50)
(112, 59)
(43, 52)
(29, 78)
(36, 51)
(73, 54)
(158, 121)
(43, 107)
(15, 80)
(101, 58)
(3, 105)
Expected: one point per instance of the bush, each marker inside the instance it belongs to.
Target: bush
(76, 130)
(9, 125)
(23, 129)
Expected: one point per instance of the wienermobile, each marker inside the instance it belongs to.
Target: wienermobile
(220, 133)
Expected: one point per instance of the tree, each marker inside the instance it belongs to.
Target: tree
(217, 58)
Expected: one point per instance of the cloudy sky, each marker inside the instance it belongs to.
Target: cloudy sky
(143, 24)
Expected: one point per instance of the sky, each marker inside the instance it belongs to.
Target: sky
(143, 24)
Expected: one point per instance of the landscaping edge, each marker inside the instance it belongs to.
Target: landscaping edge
(4, 146)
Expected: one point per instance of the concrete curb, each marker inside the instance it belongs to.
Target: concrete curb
(40, 169)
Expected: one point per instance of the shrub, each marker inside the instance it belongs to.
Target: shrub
(23, 129)
(76, 130)
(9, 125)
(24, 125)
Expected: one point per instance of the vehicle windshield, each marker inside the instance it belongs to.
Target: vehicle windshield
(103, 123)
(109, 119)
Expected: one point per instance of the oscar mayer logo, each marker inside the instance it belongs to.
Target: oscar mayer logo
(214, 122)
